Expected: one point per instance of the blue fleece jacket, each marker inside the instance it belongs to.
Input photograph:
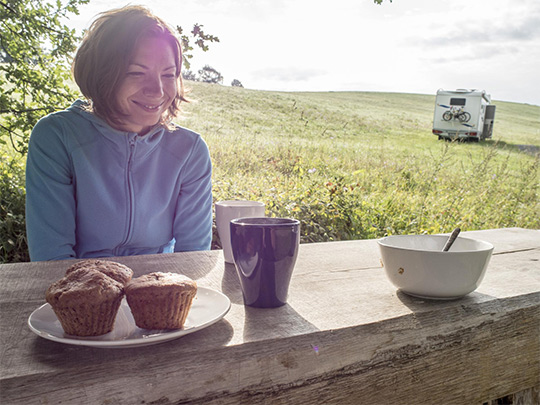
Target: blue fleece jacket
(94, 191)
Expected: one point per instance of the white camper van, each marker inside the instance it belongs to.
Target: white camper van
(463, 114)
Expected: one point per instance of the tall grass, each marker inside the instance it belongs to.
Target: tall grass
(349, 165)
(365, 165)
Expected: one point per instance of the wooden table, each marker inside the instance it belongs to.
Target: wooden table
(346, 337)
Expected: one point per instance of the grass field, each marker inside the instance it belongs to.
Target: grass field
(362, 165)
(349, 165)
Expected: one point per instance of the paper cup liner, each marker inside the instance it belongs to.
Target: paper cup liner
(87, 319)
(167, 311)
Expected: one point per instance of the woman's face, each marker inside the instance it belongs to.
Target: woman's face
(148, 87)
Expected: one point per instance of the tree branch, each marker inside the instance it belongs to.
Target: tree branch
(25, 111)
(36, 22)
(12, 133)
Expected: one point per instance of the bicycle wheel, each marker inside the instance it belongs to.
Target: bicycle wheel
(464, 116)
(447, 116)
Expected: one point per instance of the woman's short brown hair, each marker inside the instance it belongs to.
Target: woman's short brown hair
(105, 54)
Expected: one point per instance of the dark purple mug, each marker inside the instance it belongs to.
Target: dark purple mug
(264, 252)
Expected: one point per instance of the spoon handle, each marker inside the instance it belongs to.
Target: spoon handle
(451, 239)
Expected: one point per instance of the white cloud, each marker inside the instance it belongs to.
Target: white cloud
(412, 46)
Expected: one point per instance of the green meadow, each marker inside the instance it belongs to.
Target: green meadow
(357, 165)
(349, 165)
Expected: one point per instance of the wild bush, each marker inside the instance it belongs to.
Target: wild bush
(13, 246)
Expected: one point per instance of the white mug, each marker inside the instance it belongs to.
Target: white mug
(226, 211)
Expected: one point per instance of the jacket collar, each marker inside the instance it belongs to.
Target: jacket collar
(148, 141)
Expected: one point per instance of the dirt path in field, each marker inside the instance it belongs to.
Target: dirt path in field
(531, 149)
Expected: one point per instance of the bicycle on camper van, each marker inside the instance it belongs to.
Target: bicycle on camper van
(456, 113)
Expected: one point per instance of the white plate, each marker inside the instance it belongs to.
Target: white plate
(208, 307)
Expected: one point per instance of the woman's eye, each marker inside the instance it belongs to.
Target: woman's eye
(135, 74)
(169, 76)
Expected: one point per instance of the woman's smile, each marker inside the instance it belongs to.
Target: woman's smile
(149, 107)
(149, 86)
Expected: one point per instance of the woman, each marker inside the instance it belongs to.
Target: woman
(112, 176)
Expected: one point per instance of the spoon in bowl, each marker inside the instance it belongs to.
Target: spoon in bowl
(451, 239)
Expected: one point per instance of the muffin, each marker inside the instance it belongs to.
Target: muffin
(160, 300)
(85, 302)
(117, 271)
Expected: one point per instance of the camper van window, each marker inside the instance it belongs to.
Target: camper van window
(457, 101)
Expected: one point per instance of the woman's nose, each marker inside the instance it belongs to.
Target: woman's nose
(153, 86)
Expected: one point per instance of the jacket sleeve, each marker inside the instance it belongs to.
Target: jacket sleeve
(192, 226)
(50, 199)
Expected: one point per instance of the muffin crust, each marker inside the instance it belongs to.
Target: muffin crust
(117, 271)
(160, 300)
(85, 302)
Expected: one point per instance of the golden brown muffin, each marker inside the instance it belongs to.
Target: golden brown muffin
(85, 302)
(160, 300)
(117, 271)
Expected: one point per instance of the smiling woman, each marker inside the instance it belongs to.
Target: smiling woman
(149, 87)
(124, 49)
(112, 176)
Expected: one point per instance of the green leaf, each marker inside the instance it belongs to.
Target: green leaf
(35, 52)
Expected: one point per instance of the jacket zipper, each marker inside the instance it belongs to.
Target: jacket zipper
(130, 197)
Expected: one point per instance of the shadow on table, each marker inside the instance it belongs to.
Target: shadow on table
(66, 356)
(417, 305)
(230, 284)
(270, 323)
(264, 323)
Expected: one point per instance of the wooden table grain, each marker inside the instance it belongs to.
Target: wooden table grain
(345, 337)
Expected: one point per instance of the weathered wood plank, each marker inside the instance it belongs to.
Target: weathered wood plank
(346, 336)
(528, 396)
(398, 361)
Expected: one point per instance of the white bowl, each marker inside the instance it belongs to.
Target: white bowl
(416, 264)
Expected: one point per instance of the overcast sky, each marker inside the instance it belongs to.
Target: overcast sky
(407, 46)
